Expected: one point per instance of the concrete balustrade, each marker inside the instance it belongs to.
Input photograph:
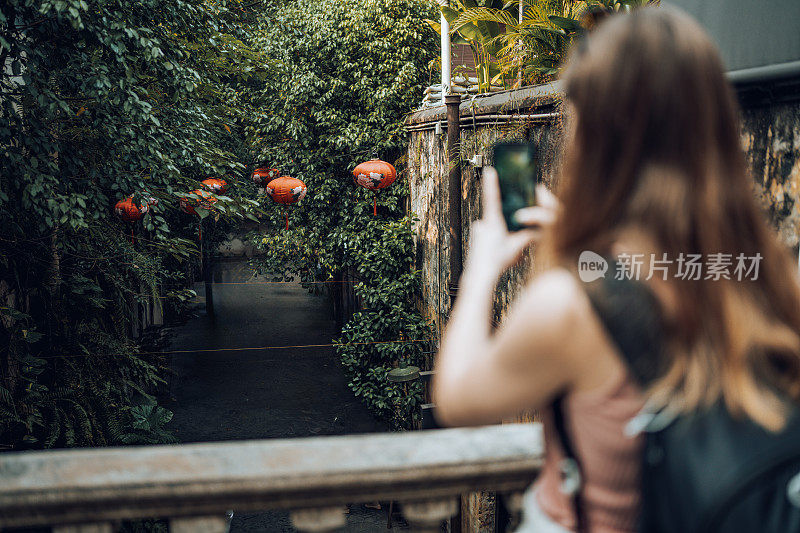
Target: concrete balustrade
(193, 485)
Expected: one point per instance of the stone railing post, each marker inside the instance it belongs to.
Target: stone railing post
(102, 527)
(426, 516)
(319, 520)
(199, 524)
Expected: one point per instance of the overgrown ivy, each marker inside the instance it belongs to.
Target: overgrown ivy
(348, 72)
(100, 99)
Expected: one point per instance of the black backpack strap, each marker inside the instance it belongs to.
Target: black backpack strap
(631, 316)
(571, 466)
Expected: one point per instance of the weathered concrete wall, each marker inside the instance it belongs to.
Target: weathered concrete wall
(771, 137)
(428, 170)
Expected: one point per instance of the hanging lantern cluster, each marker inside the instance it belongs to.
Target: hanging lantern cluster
(283, 190)
(374, 175)
(263, 175)
(286, 191)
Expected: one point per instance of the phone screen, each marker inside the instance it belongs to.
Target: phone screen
(515, 163)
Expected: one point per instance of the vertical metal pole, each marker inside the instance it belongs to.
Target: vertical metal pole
(446, 54)
(208, 270)
(453, 102)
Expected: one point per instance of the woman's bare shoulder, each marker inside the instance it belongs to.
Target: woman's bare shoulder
(557, 297)
(563, 325)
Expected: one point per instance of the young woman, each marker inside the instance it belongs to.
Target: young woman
(653, 169)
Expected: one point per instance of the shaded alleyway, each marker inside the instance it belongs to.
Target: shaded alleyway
(258, 394)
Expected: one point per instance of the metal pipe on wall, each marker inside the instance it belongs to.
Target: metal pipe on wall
(453, 102)
(489, 120)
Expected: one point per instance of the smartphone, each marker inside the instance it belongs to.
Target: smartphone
(515, 163)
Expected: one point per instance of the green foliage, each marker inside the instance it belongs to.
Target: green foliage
(101, 99)
(75, 401)
(481, 33)
(533, 47)
(147, 423)
(346, 74)
(536, 46)
(389, 286)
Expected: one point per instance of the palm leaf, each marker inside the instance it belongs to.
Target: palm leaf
(470, 32)
(437, 27)
(568, 24)
(485, 14)
(555, 31)
(449, 13)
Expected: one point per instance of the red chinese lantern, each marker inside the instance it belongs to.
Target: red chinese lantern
(286, 190)
(263, 175)
(374, 175)
(206, 201)
(216, 185)
(130, 212)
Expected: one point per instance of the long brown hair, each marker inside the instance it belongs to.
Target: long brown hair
(655, 149)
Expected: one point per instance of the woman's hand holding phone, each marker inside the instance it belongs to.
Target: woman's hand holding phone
(541, 216)
(493, 249)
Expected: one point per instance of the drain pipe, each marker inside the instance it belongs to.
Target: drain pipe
(453, 101)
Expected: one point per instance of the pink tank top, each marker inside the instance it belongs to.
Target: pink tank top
(610, 459)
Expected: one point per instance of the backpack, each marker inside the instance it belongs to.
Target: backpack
(707, 472)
